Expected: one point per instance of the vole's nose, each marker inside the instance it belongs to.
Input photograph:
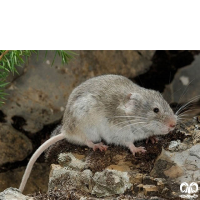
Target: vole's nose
(172, 125)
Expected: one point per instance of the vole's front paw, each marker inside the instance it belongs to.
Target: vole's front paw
(153, 140)
(135, 149)
(138, 150)
(99, 146)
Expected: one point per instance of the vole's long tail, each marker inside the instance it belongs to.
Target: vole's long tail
(34, 157)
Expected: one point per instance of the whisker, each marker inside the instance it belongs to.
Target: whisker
(182, 123)
(181, 108)
(129, 117)
(184, 91)
(186, 111)
(188, 107)
(182, 119)
(129, 125)
(132, 120)
(144, 126)
(124, 123)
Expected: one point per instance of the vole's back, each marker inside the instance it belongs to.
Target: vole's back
(106, 89)
(93, 101)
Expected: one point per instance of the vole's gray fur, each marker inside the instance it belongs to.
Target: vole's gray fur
(112, 108)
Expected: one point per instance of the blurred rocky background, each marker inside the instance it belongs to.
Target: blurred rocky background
(39, 93)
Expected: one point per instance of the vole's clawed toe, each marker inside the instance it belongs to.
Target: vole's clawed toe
(134, 149)
(99, 146)
(153, 140)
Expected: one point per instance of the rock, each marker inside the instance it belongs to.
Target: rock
(135, 177)
(38, 179)
(67, 178)
(13, 194)
(163, 162)
(15, 146)
(71, 161)
(147, 180)
(126, 63)
(72, 174)
(75, 174)
(110, 182)
(122, 168)
(179, 88)
(174, 145)
(40, 94)
(179, 166)
(196, 136)
(195, 151)
(31, 97)
(150, 190)
(174, 172)
(177, 146)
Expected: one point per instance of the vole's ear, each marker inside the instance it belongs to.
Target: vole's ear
(132, 98)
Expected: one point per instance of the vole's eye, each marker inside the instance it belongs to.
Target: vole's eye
(156, 110)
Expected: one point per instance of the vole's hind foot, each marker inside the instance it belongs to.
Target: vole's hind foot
(135, 149)
(153, 140)
(99, 146)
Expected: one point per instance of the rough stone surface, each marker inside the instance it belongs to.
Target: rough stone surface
(76, 174)
(180, 166)
(62, 178)
(15, 146)
(174, 145)
(13, 194)
(150, 189)
(71, 161)
(38, 179)
(39, 95)
(110, 182)
(101, 184)
(179, 88)
(127, 63)
(177, 146)
(196, 136)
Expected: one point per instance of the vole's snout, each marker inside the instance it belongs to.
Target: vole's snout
(171, 123)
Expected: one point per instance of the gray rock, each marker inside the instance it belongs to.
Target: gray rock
(110, 182)
(13, 194)
(196, 136)
(178, 90)
(15, 146)
(174, 145)
(127, 63)
(179, 166)
(67, 178)
(69, 160)
(195, 151)
(177, 146)
(38, 179)
(74, 173)
(39, 95)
